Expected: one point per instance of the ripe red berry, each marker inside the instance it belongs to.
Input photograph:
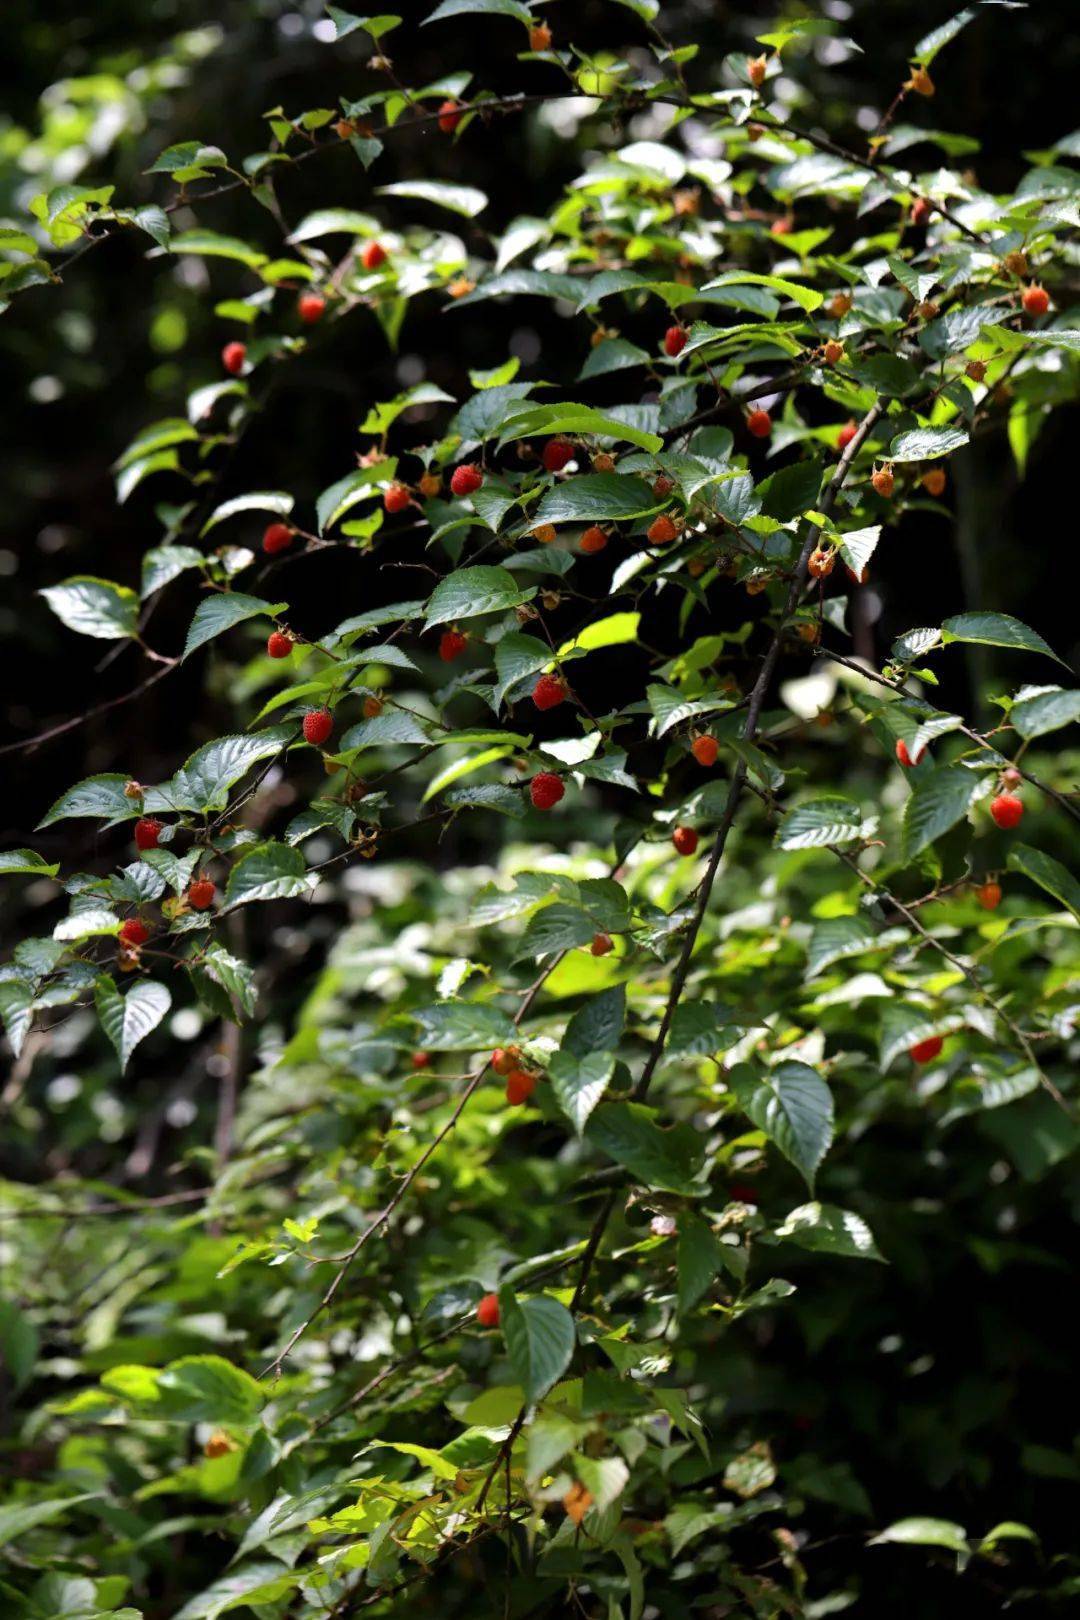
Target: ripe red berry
(705, 750)
(487, 1312)
(373, 255)
(466, 479)
(903, 755)
(1007, 810)
(276, 537)
(663, 486)
(147, 832)
(926, 1051)
(594, 539)
(318, 724)
(546, 789)
(743, 1193)
(549, 692)
(420, 1060)
(450, 116)
(505, 1058)
(233, 356)
(556, 453)
(520, 1085)
(759, 423)
(200, 896)
(685, 840)
(1035, 299)
(883, 481)
(846, 434)
(278, 645)
(311, 307)
(451, 644)
(675, 340)
(921, 211)
(602, 944)
(134, 932)
(989, 895)
(396, 497)
(661, 530)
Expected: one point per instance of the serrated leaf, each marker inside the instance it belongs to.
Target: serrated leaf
(938, 801)
(268, 872)
(128, 1019)
(163, 564)
(700, 1259)
(556, 927)
(597, 498)
(794, 1107)
(919, 1532)
(540, 1339)
(828, 1230)
(94, 607)
(462, 1026)
(580, 1082)
(598, 1025)
(995, 630)
(1048, 873)
(99, 796)
(806, 297)
(459, 199)
(25, 860)
(203, 781)
(823, 821)
(263, 500)
(926, 444)
(221, 612)
(668, 1159)
(835, 939)
(1039, 710)
(468, 592)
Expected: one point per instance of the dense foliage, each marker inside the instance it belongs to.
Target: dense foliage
(623, 985)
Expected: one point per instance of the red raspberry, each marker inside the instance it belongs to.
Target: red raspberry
(450, 116)
(594, 539)
(505, 1058)
(989, 895)
(921, 211)
(675, 340)
(396, 498)
(467, 479)
(276, 537)
(904, 757)
(373, 255)
(557, 452)
(833, 352)
(546, 789)
(373, 706)
(759, 423)
(451, 644)
(705, 749)
(520, 1085)
(487, 1312)
(318, 724)
(1035, 299)
(549, 692)
(1007, 810)
(134, 932)
(147, 832)
(976, 370)
(602, 944)
(685, 840)
(846, 434)
(311, 307)
(661, 530)
(200, 896)
(420, 1060)
(663, 487)
(233, 357)
(278, 645)
(926, 1051)
(540, 37)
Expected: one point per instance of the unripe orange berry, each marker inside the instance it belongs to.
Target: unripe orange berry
(756, 69)
(1035, 299)
(934, 481)
(661, 530)
(594, 539)
(883, 481)
(833, 352)
(976, 370)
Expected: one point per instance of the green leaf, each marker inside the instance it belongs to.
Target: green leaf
(221, 612)
(334, 221)
(540, 1338)
(598, 1024)
(806, 298)
(920, 1532)
(23, 1516)
(16, 1011)
(834, 939)
(1048, 873)
(569, 417)
(597, 498)
(258, 1583)
(823, 821)
(20, 1343)
(263, 500)
(209, 1389)
(495, 8)
(926, 444)
(459, 199)
(936, 39)
(462, 1026)
(209, 244)
(700, 1259)
(828, 1230)
(665, 1159)
(1040, 709)
(94, 607)
(556, 927)
(99, 796)
(468, 592)
(269, 872)
(995, 630)
(794, 1107)
(938, 801)
(203, 781)
(517, 658)
(163, 564)
(393, 727)
(791, 491)
(580, 1082)
(24, 860)
(128, 1019)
